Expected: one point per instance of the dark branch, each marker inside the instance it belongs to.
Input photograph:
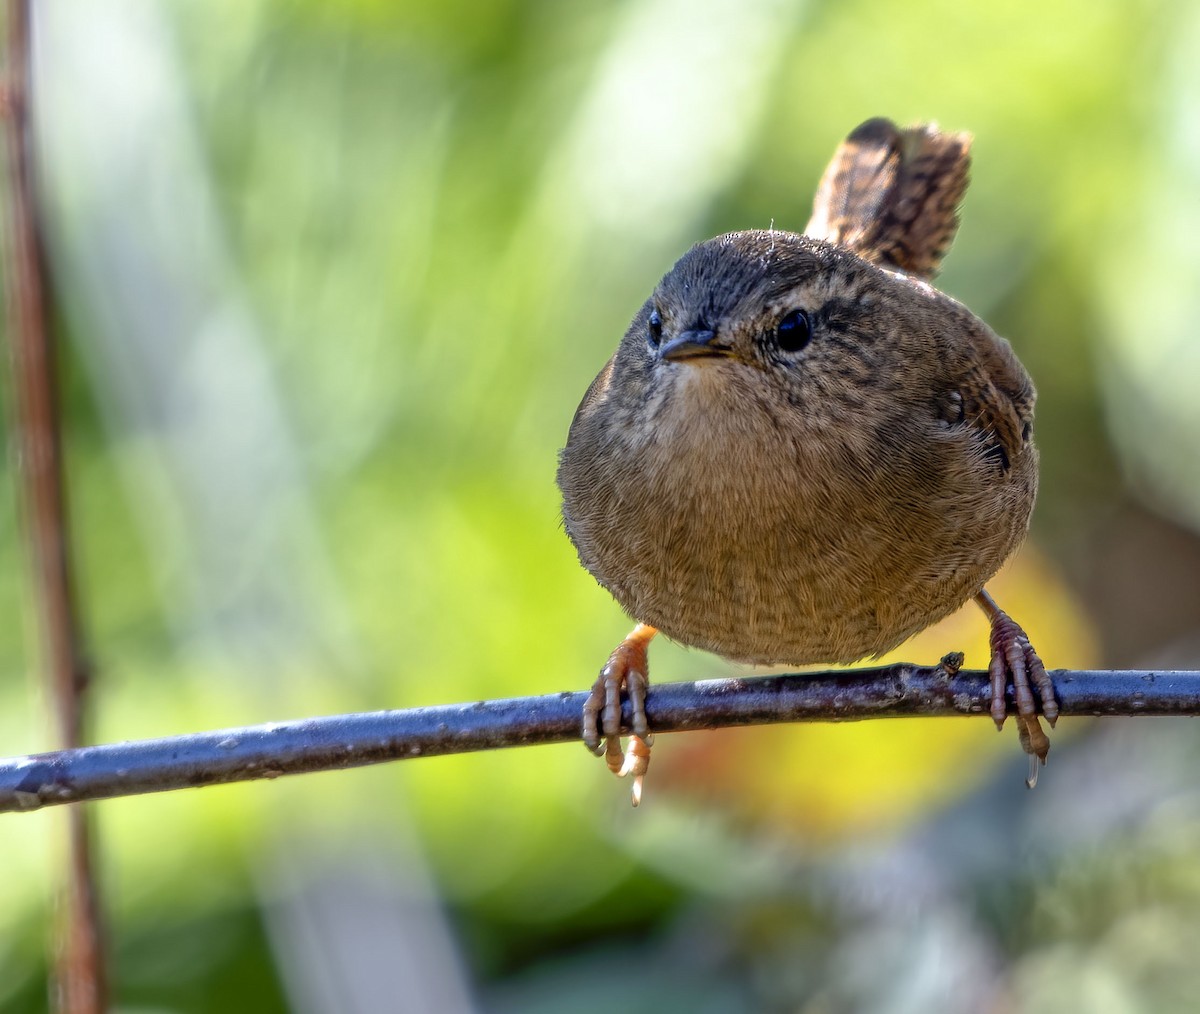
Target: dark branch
(345, 741)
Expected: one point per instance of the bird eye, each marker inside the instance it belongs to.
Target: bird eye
(655, 328)
(794, 331)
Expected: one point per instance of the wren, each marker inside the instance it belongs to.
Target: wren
(803, 452)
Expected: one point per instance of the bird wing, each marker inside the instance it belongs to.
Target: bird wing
(998, 398)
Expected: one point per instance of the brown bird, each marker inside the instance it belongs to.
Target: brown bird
(802, 452)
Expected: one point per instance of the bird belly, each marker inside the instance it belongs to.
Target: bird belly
(796, 560)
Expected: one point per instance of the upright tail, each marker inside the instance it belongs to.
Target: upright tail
(891, 195)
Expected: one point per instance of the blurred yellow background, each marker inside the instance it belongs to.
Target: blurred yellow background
(331, 279)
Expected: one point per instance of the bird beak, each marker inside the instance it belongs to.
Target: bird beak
(691, 344)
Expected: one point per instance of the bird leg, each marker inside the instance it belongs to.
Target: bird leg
(1013, 657)
(627, 669)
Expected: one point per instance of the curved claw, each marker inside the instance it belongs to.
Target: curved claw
(637, 762)
(1031, 778)
(592, 708)
(998, 677)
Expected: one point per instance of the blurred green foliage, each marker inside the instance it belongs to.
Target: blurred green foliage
(331, 279)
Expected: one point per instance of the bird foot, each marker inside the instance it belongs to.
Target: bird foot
(626, 670)
(1013, 658)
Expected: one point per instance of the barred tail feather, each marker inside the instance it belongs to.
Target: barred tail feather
(892, 196)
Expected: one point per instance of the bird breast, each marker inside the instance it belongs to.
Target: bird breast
(734, 521)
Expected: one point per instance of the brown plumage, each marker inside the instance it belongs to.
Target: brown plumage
(891, 195)
(798, 455)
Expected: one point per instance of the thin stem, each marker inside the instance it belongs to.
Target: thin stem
(79, 964)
